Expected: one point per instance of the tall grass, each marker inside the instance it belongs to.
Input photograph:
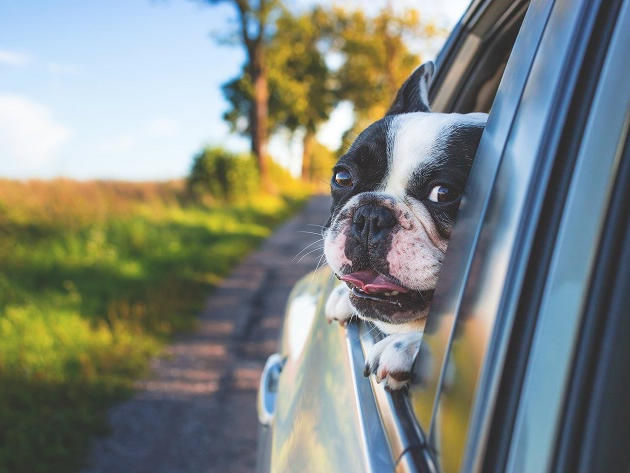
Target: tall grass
(94, 278)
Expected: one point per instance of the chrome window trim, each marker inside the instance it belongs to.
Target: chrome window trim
(379, 454)
(394, 408)
(399, 440)
(387, 419)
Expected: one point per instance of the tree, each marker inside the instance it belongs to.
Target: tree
(299, 81)
(373, 60)
(254, 18)
(302, 96)
(376, 58)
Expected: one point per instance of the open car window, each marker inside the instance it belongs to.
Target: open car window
(471, 67)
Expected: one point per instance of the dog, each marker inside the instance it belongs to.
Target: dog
(395, 193)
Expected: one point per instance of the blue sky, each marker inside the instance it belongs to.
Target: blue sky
(114, 89)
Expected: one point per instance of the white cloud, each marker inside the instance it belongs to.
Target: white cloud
(12, 58)
(28, 131)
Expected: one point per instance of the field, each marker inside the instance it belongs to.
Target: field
(94, 279)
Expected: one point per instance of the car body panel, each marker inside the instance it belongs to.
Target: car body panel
(320, 388)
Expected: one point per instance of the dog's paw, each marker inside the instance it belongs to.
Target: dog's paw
(338, 305)
(391, 359)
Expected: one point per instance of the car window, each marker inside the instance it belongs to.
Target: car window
(468, 78)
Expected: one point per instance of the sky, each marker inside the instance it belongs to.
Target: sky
(123, 89)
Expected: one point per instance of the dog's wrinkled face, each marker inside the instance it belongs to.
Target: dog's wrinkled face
(395, 195)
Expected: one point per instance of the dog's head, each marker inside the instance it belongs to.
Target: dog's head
(395, 195)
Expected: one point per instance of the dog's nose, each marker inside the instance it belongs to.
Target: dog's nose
(371, 222)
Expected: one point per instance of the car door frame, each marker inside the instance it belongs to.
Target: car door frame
(525, 145)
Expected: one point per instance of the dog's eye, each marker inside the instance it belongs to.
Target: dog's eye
(343, 178)
(443, 194)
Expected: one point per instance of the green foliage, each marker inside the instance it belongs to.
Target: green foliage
(239, 92)
(90, 291)
(223, 175)
(372, 59)
(300, 82)
(376, 57)
(253, 21)
(219, 176)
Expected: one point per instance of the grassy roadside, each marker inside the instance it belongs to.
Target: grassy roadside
(94, 279)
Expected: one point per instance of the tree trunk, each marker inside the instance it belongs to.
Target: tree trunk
(308, 144)
(260, 112)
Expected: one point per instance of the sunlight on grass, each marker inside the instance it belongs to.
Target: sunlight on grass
(94, 279)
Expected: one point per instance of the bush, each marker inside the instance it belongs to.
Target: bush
(223, 175)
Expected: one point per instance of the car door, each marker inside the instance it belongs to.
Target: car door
(532, 290)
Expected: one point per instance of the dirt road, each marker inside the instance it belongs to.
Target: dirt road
(197, 412)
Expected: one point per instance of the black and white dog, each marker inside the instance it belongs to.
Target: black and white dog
(395, 195)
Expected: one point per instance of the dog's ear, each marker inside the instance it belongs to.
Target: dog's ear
(413, 96)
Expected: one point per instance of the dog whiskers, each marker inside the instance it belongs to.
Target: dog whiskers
(306, 248)
(321, 227)
(320, 264)
(310, 252)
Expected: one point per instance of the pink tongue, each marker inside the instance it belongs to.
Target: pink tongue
(372, 282)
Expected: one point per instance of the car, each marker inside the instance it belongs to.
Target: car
(524, 362)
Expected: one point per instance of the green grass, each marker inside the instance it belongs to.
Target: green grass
(94, 279)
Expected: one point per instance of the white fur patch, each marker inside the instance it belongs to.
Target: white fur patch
(393, 358)
(335, 252)
(338, 306)
(413, 137)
